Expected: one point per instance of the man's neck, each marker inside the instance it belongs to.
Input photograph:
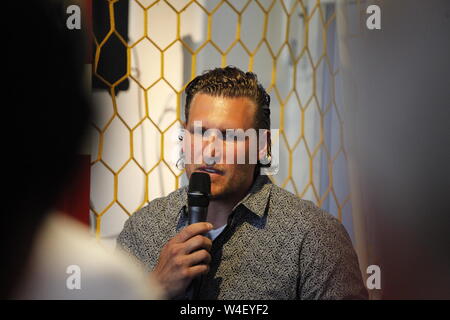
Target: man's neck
(220, 209)
(218, 212)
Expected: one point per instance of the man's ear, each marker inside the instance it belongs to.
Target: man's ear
(182, 136)
(263, 145)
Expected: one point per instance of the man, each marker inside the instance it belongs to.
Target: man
(267, 243)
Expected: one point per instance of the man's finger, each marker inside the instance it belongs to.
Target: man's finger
(197, 270)
(197, 242)
(193, 230)
(199, 257)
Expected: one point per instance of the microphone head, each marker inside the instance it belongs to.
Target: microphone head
(200, 182)
(199, 189)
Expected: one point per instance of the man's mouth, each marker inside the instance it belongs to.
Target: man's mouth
(210, 170)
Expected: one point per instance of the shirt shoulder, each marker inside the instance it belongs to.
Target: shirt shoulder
(304, 213)
(166, 207)
(65, 250)
(328, 263)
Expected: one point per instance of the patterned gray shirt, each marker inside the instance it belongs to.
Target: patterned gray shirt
(275, 246)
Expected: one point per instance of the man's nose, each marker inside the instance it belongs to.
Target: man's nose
(209, 141)
(211, 147)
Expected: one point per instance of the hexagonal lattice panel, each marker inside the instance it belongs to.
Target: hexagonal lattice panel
(285, 42)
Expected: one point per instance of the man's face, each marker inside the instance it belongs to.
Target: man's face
(221, 113)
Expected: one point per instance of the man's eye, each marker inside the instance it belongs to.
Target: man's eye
(216, 134)
(232, 137)
(195, 132)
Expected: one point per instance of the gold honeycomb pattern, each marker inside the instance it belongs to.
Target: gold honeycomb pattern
(289, 44)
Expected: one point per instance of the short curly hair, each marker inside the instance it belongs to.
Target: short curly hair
(231, 82)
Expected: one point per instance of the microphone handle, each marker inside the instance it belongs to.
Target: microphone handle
(196, 214)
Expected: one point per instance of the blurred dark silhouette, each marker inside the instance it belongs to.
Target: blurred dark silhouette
(50, 111)
(45, 114)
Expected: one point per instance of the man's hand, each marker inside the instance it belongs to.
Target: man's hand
(183, 258)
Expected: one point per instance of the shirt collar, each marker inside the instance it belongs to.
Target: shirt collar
(256, 200)
(258, 197)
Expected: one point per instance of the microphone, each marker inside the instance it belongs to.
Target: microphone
(198, 201)
(198, 197)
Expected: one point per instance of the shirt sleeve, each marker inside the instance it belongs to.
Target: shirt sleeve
(329, 268)
(126, 241)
